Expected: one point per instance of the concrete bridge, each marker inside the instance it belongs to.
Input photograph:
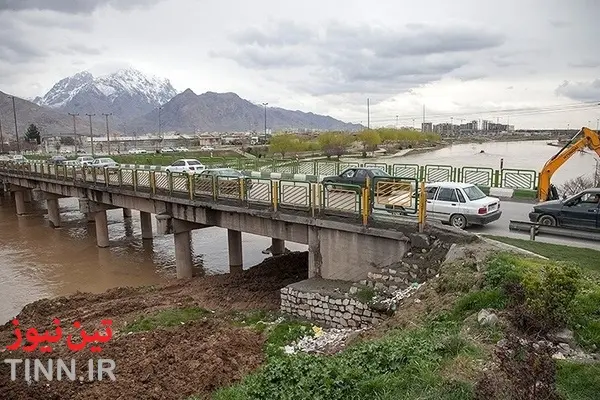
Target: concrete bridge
(343, 235)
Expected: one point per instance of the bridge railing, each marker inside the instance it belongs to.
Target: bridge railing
(351, 201)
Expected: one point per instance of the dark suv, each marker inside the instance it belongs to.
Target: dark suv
(354, 176)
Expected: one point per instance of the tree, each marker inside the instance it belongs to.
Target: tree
(67, 141)
(57, 146)
(284, 143)
(334, 143)
(370, 139)
(33, 134)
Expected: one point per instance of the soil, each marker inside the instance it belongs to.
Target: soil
(166, 363)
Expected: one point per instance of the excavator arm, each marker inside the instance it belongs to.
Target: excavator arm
(584, 138)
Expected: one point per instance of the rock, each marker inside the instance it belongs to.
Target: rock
(487, 318)
(558, 356)
(353, 290)
(419, 240)
(563, 336)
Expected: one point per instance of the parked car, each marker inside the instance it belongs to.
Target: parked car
(137, 151)
(72, 163)
(206, 148)
(227, 179)
(18, 158)
(168, 150)
(353, 176)
(461, 204)
(104, 162)
(576, 212)
(57, 160)
(188, 165)
(181, 149)
(85, 160)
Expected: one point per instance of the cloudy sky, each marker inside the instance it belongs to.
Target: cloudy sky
(533, 63)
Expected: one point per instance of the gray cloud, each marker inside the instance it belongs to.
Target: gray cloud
(354, 58)
(586, 63)
(72, 6)
(79, 49)
(580, 91)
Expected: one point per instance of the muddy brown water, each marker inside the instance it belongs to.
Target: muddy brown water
(37, 261)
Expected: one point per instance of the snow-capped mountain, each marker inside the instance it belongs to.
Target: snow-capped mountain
(127, 93)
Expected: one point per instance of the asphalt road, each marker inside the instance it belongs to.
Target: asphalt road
(520, 212)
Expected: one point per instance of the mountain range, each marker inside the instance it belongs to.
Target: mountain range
(135, 100)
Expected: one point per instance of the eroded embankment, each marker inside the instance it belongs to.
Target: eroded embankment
(209, 351)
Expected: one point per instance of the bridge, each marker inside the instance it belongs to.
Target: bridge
(341, 228)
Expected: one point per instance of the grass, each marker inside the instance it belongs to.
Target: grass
(579, 381)
(401, 365)
(167, 318)
(588, 259)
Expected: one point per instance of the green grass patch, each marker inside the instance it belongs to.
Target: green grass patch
(365, 295)
(476, 301)
(586, 258)
(401, 365)
(579, 381)
(166, 319)
(524, 194)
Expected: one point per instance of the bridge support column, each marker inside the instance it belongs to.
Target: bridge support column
(277, 247)
(146, 222)
(182, 233)
(53, 212)
(164, 224)
(127, 213)
(234, 244)
(20, 202)
(315, 259)
(101, 228)
(27, 196)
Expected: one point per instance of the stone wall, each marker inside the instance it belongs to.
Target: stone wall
(327, 302)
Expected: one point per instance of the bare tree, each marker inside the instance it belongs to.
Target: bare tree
(582, 182)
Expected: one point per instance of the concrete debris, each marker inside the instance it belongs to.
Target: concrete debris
(390, 303)
(322, 340)
(487, 318)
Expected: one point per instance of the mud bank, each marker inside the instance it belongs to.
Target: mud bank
(192, 358)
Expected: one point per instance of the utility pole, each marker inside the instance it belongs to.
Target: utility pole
(91, 134)
(265, 107)
(74, 130)
(107, 134)
(1, 138)
(16, 130)
(413, 123)
(396, 122)
(368, 114)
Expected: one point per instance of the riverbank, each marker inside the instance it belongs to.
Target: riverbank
(221, 337)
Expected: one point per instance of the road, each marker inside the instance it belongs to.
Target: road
(520, 212)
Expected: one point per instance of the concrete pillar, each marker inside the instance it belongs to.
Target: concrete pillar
(315, 258)
(183, 254)
(20, 202)
(146, 222)
(27, 196)
(127, 213)
(101, 228)
(90, 217)
(277, 247)
(53, 212)
(164, 224)
(234, 242)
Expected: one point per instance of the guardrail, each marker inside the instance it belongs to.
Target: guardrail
(535, 229)
(481, 176)
(353, 201)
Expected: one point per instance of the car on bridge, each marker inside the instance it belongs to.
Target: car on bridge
(103, 162)
(189, 165)
(353, 176)
(57, 160)
(580, 211)
(461, 204)
(85, 160)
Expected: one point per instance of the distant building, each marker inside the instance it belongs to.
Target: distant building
(427, 127)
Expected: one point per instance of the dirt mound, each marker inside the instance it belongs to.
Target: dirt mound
(194, 358)
(162, 364)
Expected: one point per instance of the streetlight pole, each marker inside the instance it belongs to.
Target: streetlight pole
(91, 134)
(74, 130)
(1, 138)
(368, 113)
(16, 130)
(265, 107)
(107, 134)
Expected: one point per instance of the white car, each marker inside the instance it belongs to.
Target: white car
(104, 162)
(137, 151)
(461, 204)
(181, 149)
(18, 158)
(85, 160)
(206, 148)
(188, 165)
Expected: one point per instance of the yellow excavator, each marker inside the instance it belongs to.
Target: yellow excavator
(584, 138)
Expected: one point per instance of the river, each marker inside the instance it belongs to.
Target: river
(37, 261)
(519, 155)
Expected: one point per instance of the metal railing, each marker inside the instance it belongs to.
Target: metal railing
(352, 201)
